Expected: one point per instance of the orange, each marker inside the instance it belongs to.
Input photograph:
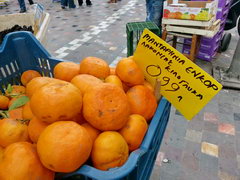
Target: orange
(16, 113)
(110, 150)
(85, 82)
(94, 66)
(149, 86)
(142, 101)
(112, 70)
(21, 162)
(15, 91)
(12, 131)
(129, 72)
(4, 101)
(178, 15)
(66, 70)
(28, 76)
(64, 146)
(27, 112)
(134, 131)
(113, 79)
(106, 107)
(56, 102)
(35, 128)
(37, 83)
(93, 132)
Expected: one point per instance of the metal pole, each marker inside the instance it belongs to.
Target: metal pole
(234, 69)
(230, 78)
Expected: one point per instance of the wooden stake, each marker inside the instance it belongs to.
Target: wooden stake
(157, 89)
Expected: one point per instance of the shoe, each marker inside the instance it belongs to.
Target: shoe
(89, 3)
(72, 7)
(63, 7)
(31, 2)
(23, 11)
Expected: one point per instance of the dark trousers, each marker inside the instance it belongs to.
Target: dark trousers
(80, 2)
(22, 5)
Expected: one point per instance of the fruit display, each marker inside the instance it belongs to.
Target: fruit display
(190, 10)
(199, 15)
(88, 113)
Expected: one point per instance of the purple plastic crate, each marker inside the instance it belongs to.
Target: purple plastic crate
(202, 54)
(221, 3)
(209, 46)
(219, 14)
(203, 50)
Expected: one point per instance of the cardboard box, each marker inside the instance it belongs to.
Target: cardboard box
(194, 10)
(39, 21)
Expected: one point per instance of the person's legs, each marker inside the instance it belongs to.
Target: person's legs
(88, 2)
(30, 2)
(22, 6)
(148, 7)
(63, 3)
(80, 2)
(71, 4)
(154, 11)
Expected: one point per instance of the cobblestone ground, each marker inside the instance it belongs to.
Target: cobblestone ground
(206, 148)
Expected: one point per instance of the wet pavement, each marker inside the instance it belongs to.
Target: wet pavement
(206, 148)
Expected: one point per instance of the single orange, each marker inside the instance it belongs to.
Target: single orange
(134, 131)
(28, 75)
(94, 66)
(4, 101)
(56, 102)
(110, 150)
(66, 70)
(113, 79)
(142, 101)
(35, 128)
(64, 146)
(21, 162)
(129, 72)
(12, 131)
(106, 107)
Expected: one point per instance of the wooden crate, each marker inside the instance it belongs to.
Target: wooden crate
(198, 30)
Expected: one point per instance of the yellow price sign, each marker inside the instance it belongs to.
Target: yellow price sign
(183, 83)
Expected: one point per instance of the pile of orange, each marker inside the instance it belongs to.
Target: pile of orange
(86, 113)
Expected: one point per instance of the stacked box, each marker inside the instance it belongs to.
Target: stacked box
(209, 46)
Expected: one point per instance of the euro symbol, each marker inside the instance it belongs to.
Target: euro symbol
(153, 70)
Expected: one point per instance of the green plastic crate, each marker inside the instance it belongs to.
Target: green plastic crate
(134, 31)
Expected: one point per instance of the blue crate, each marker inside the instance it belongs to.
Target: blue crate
(21, 51)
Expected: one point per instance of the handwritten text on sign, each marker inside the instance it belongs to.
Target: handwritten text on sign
(183, 83)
